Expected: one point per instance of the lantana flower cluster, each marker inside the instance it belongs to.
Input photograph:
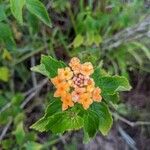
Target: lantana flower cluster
(74, 85)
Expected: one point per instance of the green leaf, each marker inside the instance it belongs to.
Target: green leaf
(57, 121)
(52, 108)
(110, 84)
(40, 125)
(4, 74)
(113, 84)
(17, 99)
(6, 36)
(98, 73)
(48, 66)
(97, 39)
(64, 121)
(78, 41)
(90, 38)
(91, 123)
(16, 9)
(18, 118)
(38, 9)
(143, 48)
(86, 138)
(7, 143)
(2, 13)
(30, 145)
(105, 118)
(40, 69)
(113, 98)
(33, 23)
(7, 55)
(51, 65)
(19, 133)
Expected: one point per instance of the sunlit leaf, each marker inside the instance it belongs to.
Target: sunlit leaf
(6, 55)
(19, 133)
(97, 39)
(31, 145)
(78, 41)
(16, 9)
(4, 74)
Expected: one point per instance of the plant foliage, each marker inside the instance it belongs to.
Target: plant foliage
(97, 118)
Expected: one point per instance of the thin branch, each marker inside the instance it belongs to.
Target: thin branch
(37, 89)
(34, 93)
(24, 57)
(128, 139)
(4, 131)
(130, 123)
(136, 32)
(29, 94)
(33, 75)
(5, 107)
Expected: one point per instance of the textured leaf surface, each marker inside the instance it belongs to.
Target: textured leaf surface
(113, 98)
(111, 84)
(104, 116)
(52, 108)
(48, 66)
(51, 65)
(59, 122)
(91, 123)
(40, 69)
(38, 9)
(16, 9)
(64, 121)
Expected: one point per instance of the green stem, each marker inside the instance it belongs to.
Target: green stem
(72, 19)
(28, 55)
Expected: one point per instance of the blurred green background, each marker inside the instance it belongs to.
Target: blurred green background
(109, 33)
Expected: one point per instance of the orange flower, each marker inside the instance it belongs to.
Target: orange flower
(87, 69)
(65, 73)
(67, 101)
(64, 106)
(75, 65)
(76, 94)
(62, 88)
(56, 80)
(74, 85)
(90, 85)
(96, 95)
(73, 61)
(85, 100)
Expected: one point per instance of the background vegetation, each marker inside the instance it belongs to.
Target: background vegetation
(109, 33)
